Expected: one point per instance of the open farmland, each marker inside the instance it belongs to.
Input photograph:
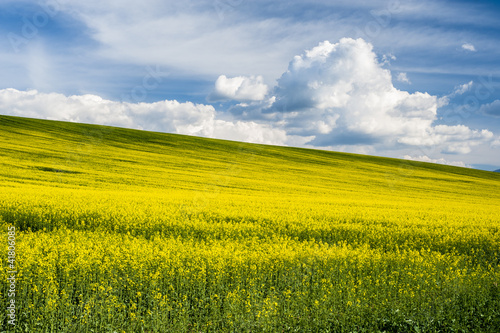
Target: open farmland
(132, 231)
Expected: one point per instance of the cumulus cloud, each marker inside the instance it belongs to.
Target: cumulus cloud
(458, 139)
(239, 88)
(468, 47)
(425, 158)
(164, 116)
(402, 77)
(340, 94)
(491, 109)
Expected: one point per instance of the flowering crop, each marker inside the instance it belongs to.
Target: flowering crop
(130, 231)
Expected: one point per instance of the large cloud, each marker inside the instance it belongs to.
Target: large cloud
(341, 94)
(164, 116)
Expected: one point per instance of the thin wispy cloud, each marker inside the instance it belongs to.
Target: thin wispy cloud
(463, 88)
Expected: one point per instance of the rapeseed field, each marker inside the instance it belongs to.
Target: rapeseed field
(116, 230)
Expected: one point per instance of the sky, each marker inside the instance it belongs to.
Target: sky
(416, 80)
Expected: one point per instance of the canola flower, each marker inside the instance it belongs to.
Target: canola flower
(128, 231)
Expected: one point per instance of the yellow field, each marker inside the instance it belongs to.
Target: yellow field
(122, 230)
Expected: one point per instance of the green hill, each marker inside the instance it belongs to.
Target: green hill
(127, 230)
(41, 152)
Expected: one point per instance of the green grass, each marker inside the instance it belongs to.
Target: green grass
(126, 230)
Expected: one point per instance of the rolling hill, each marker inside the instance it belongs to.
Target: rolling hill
(50, 151)
(127, 230)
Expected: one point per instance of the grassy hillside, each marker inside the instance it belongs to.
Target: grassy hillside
(125, 230)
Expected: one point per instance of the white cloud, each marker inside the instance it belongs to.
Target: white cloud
(200, 37)
(468, 47)
(462, 89)
(491, 109)
(458, 139)
(459, 90)
(165, 116)
(204, 39)
(340, 94)
(245, 38)
(386, 58)
(248, 131)
(239, 88)
(402, 77)
(424, 158)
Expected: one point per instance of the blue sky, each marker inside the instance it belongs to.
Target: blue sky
(407, 79)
